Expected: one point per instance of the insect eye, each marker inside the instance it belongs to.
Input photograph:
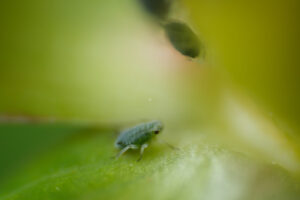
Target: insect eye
(156, 132)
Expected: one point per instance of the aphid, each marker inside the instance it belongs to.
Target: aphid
(158, 8)
(183, 39)
(138, 137)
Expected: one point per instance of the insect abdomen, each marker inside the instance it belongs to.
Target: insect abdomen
(137, 136)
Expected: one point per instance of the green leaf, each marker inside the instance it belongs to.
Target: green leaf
(81, 167)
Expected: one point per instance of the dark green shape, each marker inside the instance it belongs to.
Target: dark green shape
(21, 143)
(158, 8)
(183, 39)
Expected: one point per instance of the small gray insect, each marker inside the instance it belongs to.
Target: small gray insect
(138, 137)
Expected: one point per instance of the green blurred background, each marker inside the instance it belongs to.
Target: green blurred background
(72, 68)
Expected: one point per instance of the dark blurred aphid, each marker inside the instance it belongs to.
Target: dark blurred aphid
(183, 39)
(158, 8)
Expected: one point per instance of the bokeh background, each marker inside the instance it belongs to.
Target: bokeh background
(82, 69)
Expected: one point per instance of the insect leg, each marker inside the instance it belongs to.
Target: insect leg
(143, 147)
(169, 145)
(132, 146)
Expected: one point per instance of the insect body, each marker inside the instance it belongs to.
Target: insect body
(158, 8)
(138, 137)
(183, 38)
